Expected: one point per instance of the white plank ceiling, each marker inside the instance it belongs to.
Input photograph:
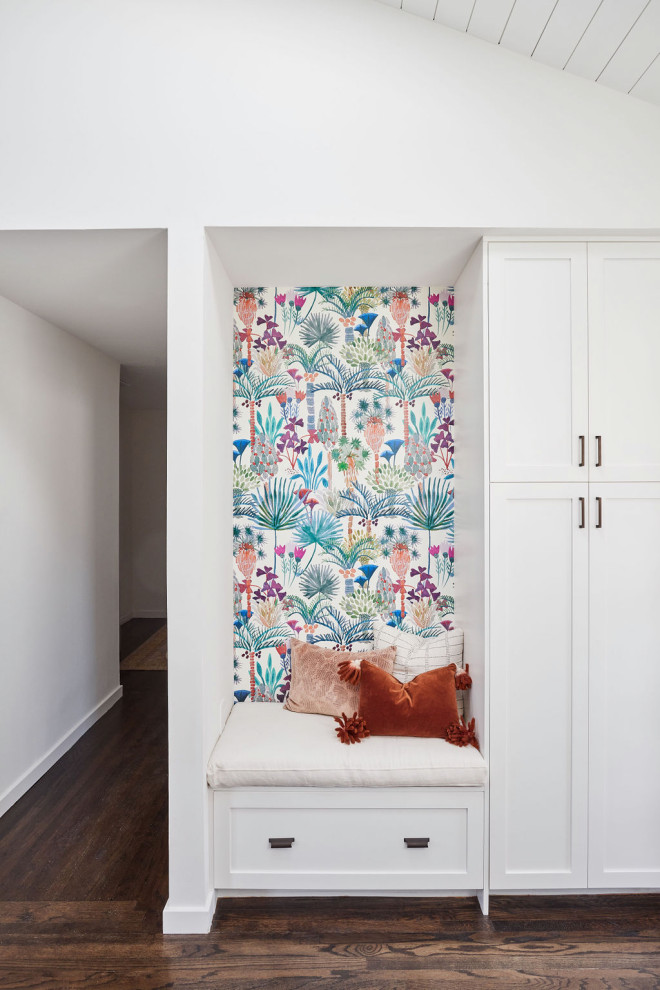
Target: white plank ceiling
(614, 42)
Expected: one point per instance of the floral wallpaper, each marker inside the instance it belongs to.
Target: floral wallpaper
(343, 470)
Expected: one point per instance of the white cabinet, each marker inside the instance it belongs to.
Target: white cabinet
(574, 611)
(539, 643)
(538, 362)
(624, 686)
(624, 361)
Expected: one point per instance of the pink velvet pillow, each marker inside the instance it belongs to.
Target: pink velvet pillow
(425, 706)
(315, 684)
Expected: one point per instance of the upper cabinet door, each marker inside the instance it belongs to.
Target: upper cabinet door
(538, 362)
(624, 362)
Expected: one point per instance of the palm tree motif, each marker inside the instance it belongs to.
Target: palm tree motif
(252, 639)
(319, 529)
(400, 310)
(373, 418)
(327, 430)
(246, 307)
(252, 387)
(277, 506)
(431, 507)
(343, 380)
(318, 334)
(369, 506)
(348, 554)
(406, 387)
(310, 610)
(348, 303)
(339, 629)
(350, 457)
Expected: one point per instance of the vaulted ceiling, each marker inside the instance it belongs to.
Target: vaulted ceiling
(613, 42)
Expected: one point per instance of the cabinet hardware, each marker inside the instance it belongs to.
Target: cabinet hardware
(581, 464)
(417, 843)
(581, 500)
(599, 451)
(599, 517)
(281, 843)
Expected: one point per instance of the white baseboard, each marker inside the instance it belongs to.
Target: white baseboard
(39, 768)
(189, 919)
(223, 892)
(125, 618)
(149, 613)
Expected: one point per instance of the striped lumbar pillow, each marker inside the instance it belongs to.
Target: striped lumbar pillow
(417, 654)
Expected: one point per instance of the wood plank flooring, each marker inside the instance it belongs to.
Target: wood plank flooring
(83, 879)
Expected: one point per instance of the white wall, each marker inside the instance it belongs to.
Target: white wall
(303, 112)
(143, 513)
(200, 615)
(59, 645)
(125, 532)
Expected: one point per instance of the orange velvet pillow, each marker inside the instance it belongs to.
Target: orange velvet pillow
(425, 706)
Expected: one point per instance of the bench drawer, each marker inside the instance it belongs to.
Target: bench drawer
(346, 842)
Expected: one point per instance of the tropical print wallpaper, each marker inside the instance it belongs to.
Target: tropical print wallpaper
(343, 471)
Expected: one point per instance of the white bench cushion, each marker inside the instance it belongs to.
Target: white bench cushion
(264, 745)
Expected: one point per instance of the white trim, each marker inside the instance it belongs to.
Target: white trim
(149, 613)
(125, 618)
(573, 891)
(226, 892)
(189, 919)
(38, 769)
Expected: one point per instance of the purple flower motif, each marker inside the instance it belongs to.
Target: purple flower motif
(281, 299)
(298, 553)
(420, 321)
(299, 301)
(451, 553)
(434, 550)
(280, 550)
(434, 298)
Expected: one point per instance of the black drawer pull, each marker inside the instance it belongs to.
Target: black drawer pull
(417, 843)
(279, 843)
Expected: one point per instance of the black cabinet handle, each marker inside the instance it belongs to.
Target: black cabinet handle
(581, 464)
(599, 506)
(581, 526)
(599, 451)
(417, 843)
(280, 843)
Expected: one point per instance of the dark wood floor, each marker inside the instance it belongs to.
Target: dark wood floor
(83, 879)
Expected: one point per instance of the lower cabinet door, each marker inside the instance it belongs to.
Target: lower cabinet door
(538, 717)
(624, 674)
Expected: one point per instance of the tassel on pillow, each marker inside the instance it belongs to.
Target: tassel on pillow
(349, 671)
(463, 680)
(351, 730)
(461, 734)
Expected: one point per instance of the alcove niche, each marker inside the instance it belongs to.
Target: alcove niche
(200, 571)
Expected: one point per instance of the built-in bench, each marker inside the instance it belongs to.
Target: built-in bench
(295, 809)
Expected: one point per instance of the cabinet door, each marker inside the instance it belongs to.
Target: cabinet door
(624, 674)
(624, 361)
(538, 726)
(538, 361)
